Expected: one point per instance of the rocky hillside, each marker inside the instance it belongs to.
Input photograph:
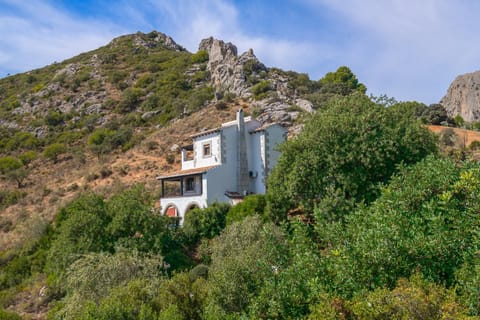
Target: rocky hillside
(116, 116)
(463, 97)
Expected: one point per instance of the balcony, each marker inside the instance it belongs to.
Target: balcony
(185, 186)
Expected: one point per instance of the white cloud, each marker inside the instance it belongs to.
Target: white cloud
(195, 20)
(406, 48)
(35, 33)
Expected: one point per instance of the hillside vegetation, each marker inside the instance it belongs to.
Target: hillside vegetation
(368, 214)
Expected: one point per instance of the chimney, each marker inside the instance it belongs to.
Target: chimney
(242, 165)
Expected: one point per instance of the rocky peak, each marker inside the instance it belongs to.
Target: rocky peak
(218, 50)
(463, 97)
(226, 68)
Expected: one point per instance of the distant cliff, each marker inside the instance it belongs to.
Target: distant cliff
(463, 97)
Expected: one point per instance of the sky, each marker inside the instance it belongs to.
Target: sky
(406, 49)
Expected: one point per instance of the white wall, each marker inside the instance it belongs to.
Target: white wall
(184, 203)
(214, 159)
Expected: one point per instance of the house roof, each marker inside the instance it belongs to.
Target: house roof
(204, 133)
(264, 127)
(188, 172)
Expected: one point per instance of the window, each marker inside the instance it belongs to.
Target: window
(190, 184)
(207, 150)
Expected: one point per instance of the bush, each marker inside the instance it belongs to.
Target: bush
(81, 228)
(12, 168)
(199, 57)
(52, 151)
(7, 315)
(129, 100)
(54, 118)
(474, 145)
(342, 154)
(244, 258)
(251, 205)
(205, 223)
(28, 157)
(260, 89)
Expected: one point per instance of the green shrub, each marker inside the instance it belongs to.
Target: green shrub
(52, 151)
(8, 198)
(260, 89)
(244, 258)
(7, 315)
(205, 223)
(251, 205)
(474, 145)
(129, 100)
(22, 140)
(54, 118)
(81, 228)
(28, 157)
(12, 169)
(199, 57)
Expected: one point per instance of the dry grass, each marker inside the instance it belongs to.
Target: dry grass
(466, 136)
(50, 186)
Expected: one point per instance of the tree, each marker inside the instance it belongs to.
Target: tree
(425, 221)
(343, 76)
(251, 205)
(205, 223)
(244, 257)
(342, 154)
(53, 151)
(12, 168)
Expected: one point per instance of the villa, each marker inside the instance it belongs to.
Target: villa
(223, 164)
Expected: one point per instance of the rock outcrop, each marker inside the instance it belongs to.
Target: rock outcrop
(226, 67)
(238, 74)
(463, 97)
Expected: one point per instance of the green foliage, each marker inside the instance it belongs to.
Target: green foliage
(410, 299)
(205, 223)
(8, 198)
(52, 151)
(80, 229)
(104, 140)
(459, 120)
(448, 137)
(54, 118)
(435, 114)
(184, 295)
(244, 257)
(8, 164)
(474, 145)
(7, 315)
(21, 141)
(251, 205)
(12, 169)
(423, 221)
(295, 285)
(105, 286)
(27, 157)
(95, 274)
(261, 89)
(200, 57)
(343, 76)
(129, 100)
(344, 151)
(468, 284)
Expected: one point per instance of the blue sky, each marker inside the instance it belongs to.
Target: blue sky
(407, 49)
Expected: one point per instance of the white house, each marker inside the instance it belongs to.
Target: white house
(222, 164)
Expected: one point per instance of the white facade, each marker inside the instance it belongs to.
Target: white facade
(223, 165)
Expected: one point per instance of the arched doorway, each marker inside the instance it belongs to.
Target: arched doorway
(171, 211)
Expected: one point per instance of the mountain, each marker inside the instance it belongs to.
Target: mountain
(115, 116)
(463, 97)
